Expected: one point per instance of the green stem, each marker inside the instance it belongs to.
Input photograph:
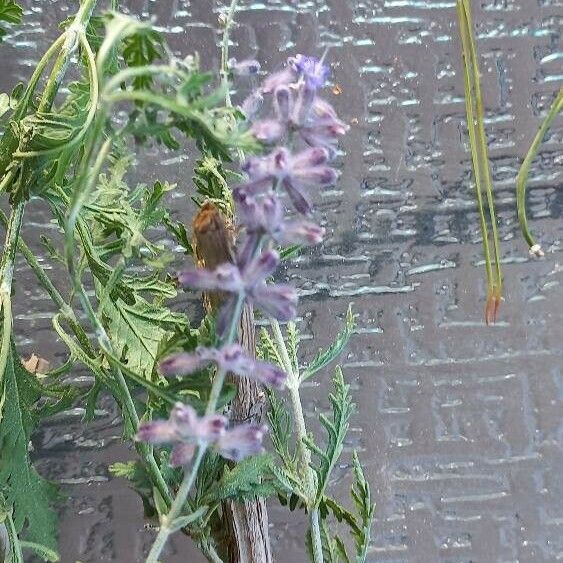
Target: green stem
(176, 508)
(303, 454)
(189, 478)
(225, 51)
(524, 172)
(6, 277)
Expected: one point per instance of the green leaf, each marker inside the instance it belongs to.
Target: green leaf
(267, 350)
(250, 478)
(281, 428)
(29, 495)
(10, 12)
(138, 330)
(323, 358)
(361, 496)
(290, 252)
(336, 428)
(140, 49)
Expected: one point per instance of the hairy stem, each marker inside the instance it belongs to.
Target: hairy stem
(303, 454)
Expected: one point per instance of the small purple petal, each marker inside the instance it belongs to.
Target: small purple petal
(184, 418)
(225, 277)
(314, 72)
(156, 432)
(238, 362)
(242, 441)
(317, 175)
(276, 300)
(281, 78)
(180, 364)
(260, 268)
(298, 197)
(300, 232)
(181, 454)
(313, 156)
(282, 102)
(210, 428)
(268, 130)
(303, 103)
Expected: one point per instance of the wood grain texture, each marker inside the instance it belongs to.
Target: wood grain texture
(246, 523)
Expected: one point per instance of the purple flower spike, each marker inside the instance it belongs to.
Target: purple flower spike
(311, 68)
(242, 441)
(245, 67)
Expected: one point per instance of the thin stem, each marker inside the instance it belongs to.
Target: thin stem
(303, 454)
(316, 536)
(225, 51)
(6, 276)
(184, 490)
(176, 508)
(524, 172)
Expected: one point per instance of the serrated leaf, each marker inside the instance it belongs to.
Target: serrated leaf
(250, 478)
(29, 495)
(361, 495)
(280, 431)
(267, 350)
(138, 330)
(336, 428)
(323, 358)
(140, 49)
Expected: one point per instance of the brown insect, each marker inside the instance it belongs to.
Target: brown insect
(213, 241)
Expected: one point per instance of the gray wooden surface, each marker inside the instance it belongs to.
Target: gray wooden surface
(459, 424)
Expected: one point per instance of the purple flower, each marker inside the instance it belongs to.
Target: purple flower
(245, 67)
(248, 278)
(241, 441)
(183, 429)
(265, 216)
(281, 78)
(312, 70)
(231, 358)
(276, 300)
(292, 172)
(268, 130)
